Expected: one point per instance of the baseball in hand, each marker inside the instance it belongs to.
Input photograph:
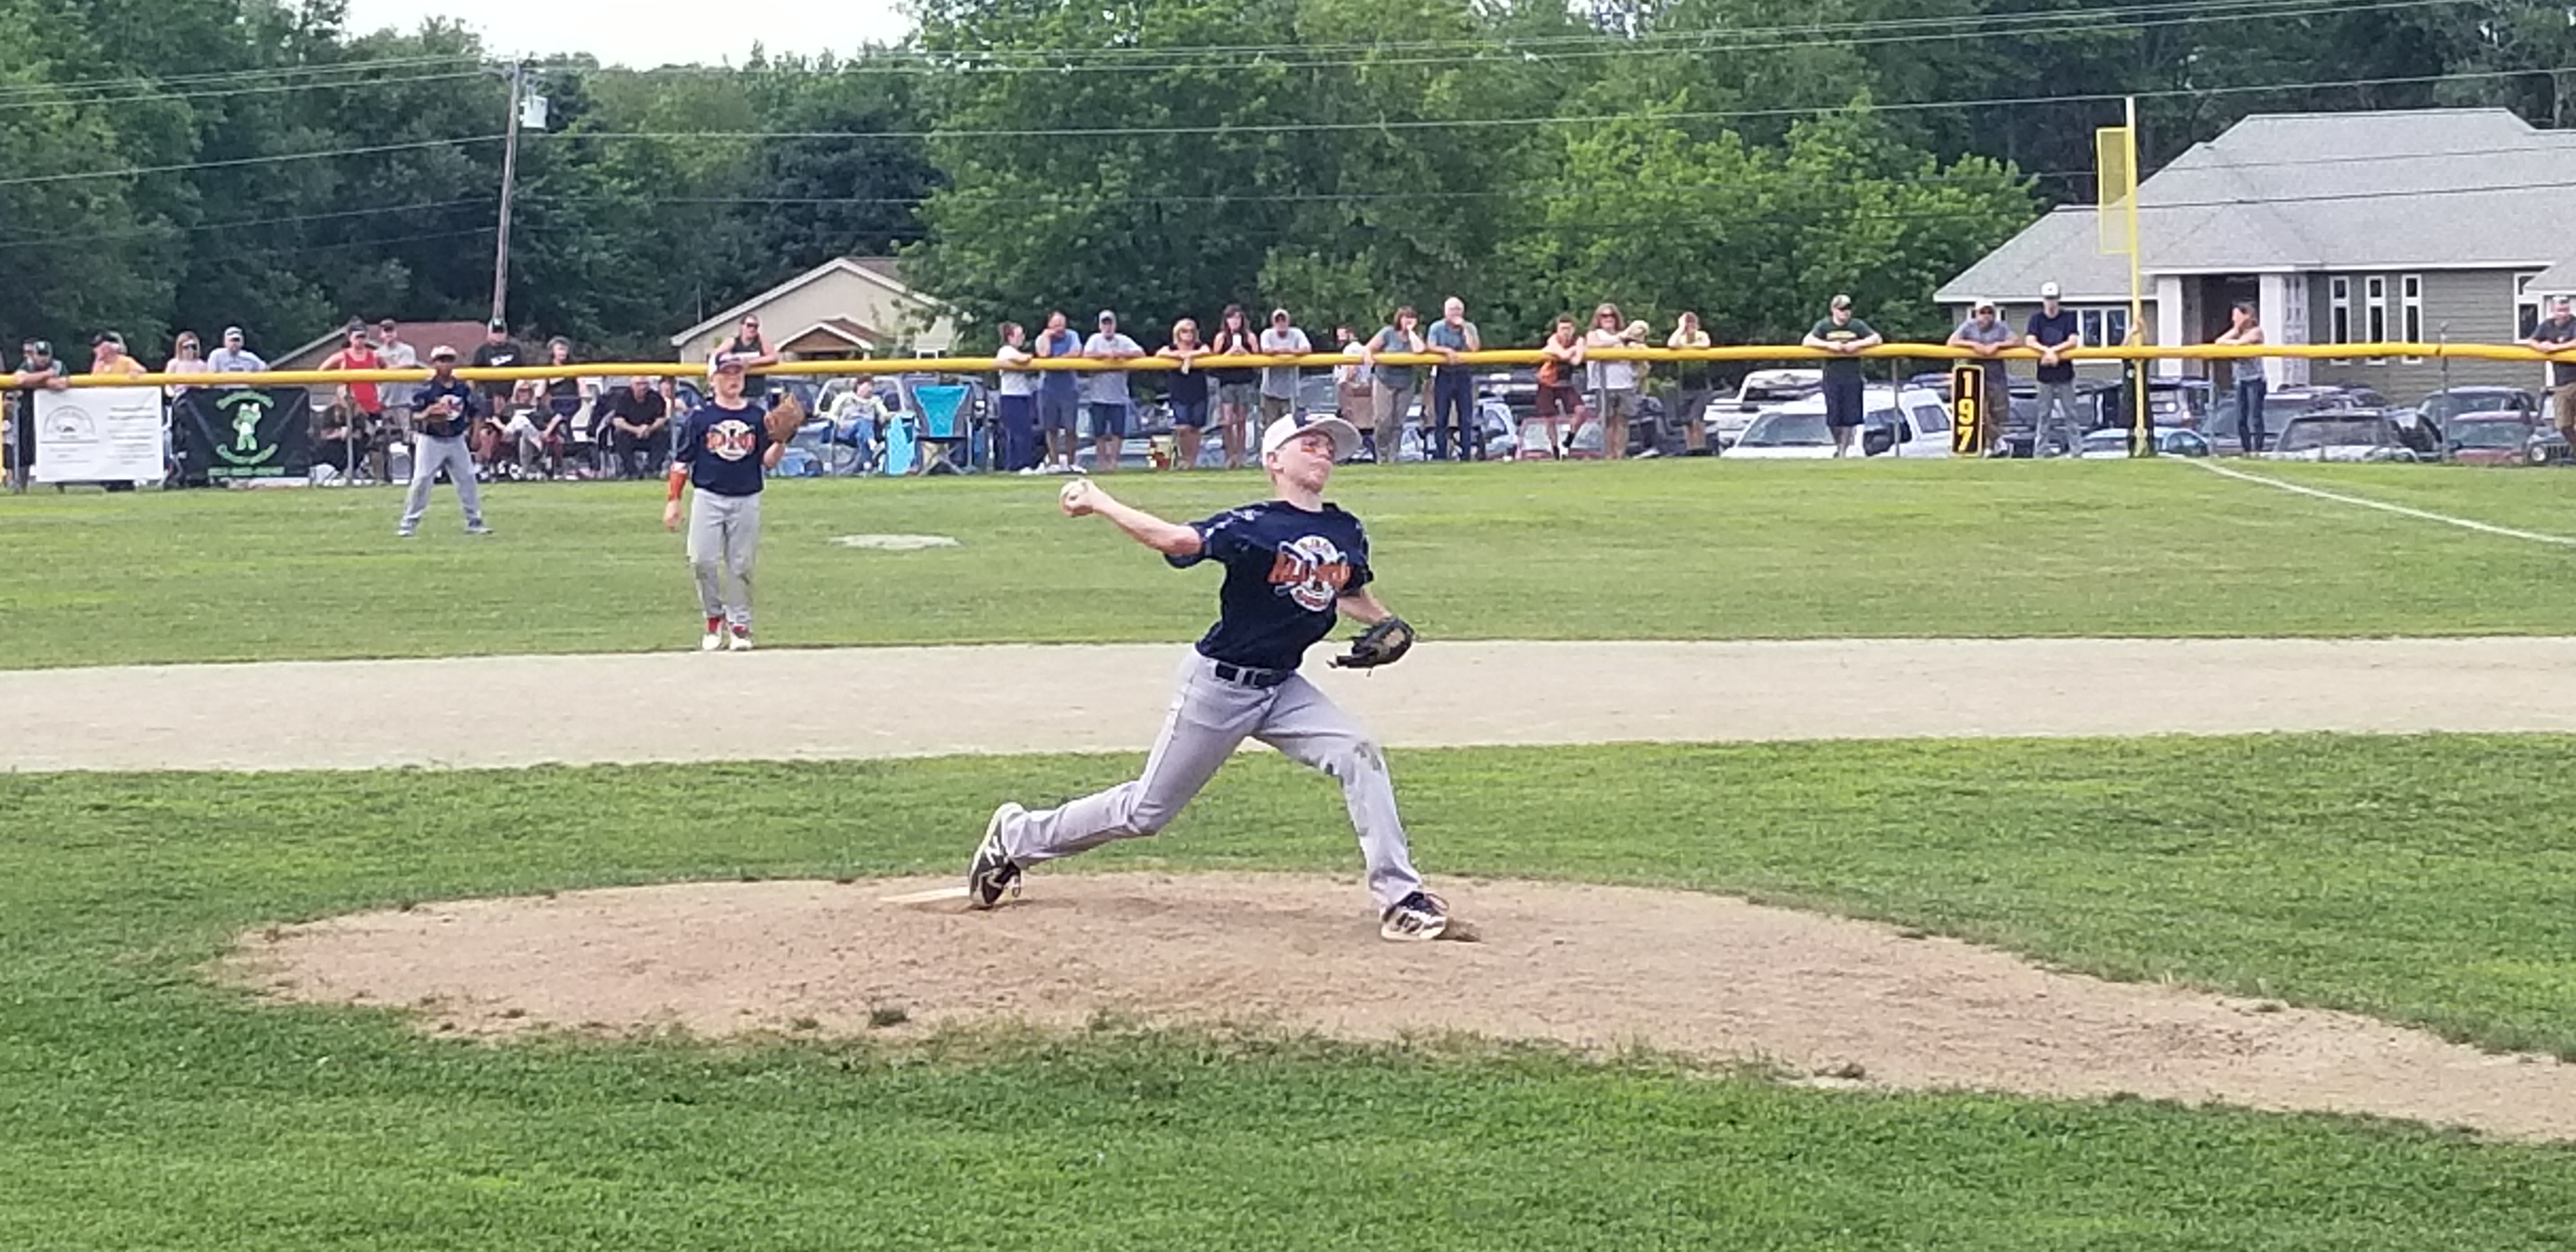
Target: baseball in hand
(1075, 498)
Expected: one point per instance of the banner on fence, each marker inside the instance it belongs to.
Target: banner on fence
(245, 432)
(98, 435)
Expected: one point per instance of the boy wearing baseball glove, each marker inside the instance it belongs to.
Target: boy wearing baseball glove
(1293, 565)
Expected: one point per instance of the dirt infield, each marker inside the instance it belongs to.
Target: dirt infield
(1836, 1001)
(880, 702)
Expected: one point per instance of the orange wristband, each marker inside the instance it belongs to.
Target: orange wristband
(678, 476)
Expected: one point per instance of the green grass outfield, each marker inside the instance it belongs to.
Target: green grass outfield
(2420, 878)
(1682, 549)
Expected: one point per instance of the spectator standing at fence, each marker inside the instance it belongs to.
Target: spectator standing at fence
(2245, 326)
(639, 421)
(1186, 393)
(37, 368)
(1351, 390)
(497, 351)
(1613, 383)
(232, 357)
(396, 355)
(1017, 403)
(1059, 394)
(1985, 334)
(1696, 381)
(2557, 333)
(1279, 382)
(1109, 394)
(1453, 385)
(1560, 394)
(1846, 389)
(1392, 393)
(363, 400)
(2053, 332)
(185, 358)
(754, 352)
(108, 356)
(1238, 391)
(442, 416)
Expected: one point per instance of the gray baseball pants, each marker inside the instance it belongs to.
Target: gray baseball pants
(2056, 404)
(430, 453)
(1210, 717)
(724, 535)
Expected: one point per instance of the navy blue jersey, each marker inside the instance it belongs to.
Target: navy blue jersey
(722, 448)
(459, 395)
(1284, 568)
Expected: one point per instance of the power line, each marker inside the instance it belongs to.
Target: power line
(136, 80)
(140, 170)
(173, 228)
(1563, 45)
(271, 89)
(1416, 124)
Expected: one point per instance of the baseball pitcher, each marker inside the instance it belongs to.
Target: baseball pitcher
(1292, 565)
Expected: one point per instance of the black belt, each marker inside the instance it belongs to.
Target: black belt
(1251, 677)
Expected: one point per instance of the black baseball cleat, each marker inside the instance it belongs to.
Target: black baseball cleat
(1414, 918)
(993, 877)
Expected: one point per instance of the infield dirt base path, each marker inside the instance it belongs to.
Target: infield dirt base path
(885, 702)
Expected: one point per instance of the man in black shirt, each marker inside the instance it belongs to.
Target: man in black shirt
(497, 351)
(639, 421)
(2556, 334)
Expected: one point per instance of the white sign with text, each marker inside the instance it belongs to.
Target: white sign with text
(98, 435)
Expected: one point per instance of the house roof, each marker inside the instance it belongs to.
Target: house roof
(880, 270)
(422, 336)
(836, 329)
(2408, 189)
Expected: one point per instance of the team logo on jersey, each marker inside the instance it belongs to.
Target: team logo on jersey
(733, 439)
(1311, 571)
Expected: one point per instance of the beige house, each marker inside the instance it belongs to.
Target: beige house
(844, 308)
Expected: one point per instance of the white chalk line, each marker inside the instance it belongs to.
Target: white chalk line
(2446, 519)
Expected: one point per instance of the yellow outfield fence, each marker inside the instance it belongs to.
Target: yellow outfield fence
(1328, 360)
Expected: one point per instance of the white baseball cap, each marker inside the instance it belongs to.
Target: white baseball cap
(2048, 291)
(1346, 437)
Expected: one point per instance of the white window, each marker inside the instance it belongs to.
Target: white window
(2339, 312)
(2374, 299)
(2410, 298)
(2526, 306)
(2103, 328)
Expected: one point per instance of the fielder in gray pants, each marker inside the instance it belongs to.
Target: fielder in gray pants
(722, 449)
(445, 409)
(1291, 566)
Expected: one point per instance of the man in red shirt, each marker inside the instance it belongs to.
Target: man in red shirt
(364, 400)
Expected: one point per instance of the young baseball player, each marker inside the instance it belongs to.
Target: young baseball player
(724, 445)
(1291, 564)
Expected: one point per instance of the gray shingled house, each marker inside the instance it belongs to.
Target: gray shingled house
(2434, 225)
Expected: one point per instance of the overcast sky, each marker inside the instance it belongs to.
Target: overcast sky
(645, 33)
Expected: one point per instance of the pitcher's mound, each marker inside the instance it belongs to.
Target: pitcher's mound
(1592, 967)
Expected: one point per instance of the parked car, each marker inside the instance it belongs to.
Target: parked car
(2348, 435)
(2505, 437)
(2441, 407)
(2017, 435)
(1759, 393)
(2280, 408)
(1910, 422)
(2111, 443)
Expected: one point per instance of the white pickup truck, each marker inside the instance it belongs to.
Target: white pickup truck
(1761, 392)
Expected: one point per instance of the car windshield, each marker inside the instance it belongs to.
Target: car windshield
(2451, 404)
(1788, 430)
(2107, 441)
(2332, 432)
(2489, 434)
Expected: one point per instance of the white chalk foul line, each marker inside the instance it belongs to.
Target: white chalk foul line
(2385, 507)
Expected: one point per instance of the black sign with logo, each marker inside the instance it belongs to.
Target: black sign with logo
(245, 432)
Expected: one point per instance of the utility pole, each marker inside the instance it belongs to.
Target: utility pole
(509, 176)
